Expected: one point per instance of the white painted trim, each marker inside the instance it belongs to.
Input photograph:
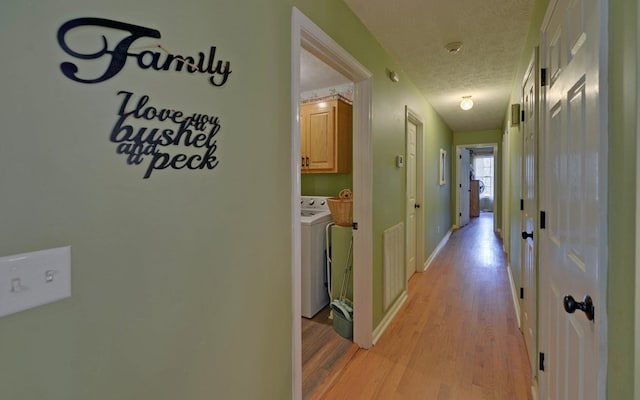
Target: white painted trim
(414, 118)
(506, 190)
(306, 33)
(393, 310)
(363, 214)
(435, 252)
(603, 272)
(296, 231)
(514, 294)
(534, 389)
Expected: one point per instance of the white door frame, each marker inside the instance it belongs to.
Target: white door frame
(414, 118)
(506, 191)
(306, 33)
(495, 180)
(463, 157)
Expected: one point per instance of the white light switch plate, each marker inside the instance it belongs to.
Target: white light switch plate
(32, 279)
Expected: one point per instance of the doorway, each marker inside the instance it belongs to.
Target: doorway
(476, 182)
(306, 34)
(414, 223)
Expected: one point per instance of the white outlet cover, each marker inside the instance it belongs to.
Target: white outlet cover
(33, 279)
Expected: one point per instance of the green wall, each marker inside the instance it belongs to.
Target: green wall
(175, 277)
(623, 52)
(325, 184)
(181, 285)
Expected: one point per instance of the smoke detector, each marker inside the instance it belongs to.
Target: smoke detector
(453, 47)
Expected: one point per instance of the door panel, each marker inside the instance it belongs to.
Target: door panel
(464, 170)
(411, 198)
(321, 138)
(530, 101)
(573, 194)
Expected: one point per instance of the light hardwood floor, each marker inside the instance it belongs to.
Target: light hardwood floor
(455, 338)
(323, 351)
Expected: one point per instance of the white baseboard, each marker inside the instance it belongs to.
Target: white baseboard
(440, 246)
(393, 310)
(514, 293)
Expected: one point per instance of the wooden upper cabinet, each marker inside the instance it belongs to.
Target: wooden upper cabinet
(326, 128)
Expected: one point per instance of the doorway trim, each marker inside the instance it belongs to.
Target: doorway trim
(413, 117)
(496, 202)
(305, 33)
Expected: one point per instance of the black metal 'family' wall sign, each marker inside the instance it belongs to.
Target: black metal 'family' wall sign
(163, 136)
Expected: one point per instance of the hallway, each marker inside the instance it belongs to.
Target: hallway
(456, 337)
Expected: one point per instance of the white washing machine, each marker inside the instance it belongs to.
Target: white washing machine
(315, 216)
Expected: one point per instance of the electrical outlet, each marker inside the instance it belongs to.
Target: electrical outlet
(33, 279)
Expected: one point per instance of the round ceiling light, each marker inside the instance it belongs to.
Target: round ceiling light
(466, 103)
(453, 47)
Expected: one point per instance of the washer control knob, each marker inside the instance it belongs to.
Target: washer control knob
(322, 202)
(312, 202)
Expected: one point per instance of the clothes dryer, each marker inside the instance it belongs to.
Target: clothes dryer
(315, 216)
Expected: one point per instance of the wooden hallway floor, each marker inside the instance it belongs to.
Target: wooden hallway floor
(456, 337)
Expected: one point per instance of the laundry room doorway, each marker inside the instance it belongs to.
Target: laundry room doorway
(308, 36)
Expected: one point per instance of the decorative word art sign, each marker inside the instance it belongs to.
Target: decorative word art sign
(137, 139)
(117, 57)
(157, 136)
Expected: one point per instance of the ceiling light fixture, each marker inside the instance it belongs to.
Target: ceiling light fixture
(466, 103)
(453, 47)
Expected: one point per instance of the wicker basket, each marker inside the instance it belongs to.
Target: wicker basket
(342, 208)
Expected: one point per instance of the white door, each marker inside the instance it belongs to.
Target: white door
(464, 170)
(529, 293)
(574, 198)
(412, 204)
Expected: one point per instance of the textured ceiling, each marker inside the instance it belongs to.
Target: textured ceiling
(315, 74)
(415, 33)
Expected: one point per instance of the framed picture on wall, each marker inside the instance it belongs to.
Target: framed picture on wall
(442, 172)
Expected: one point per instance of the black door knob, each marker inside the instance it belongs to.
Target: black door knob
(526, 235)
(586, 306)
(416, 205)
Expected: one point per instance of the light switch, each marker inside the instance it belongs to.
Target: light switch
(32, 279)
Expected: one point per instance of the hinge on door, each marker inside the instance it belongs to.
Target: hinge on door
(541, 366)
(521, 204)
(543, 77)
(543, 220)
(354, 225)
(460, 156)
(461, 186)
(460, 214)
(522, 293)
(522, 115)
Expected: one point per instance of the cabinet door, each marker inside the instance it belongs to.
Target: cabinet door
(304, 142)
(320, 140)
